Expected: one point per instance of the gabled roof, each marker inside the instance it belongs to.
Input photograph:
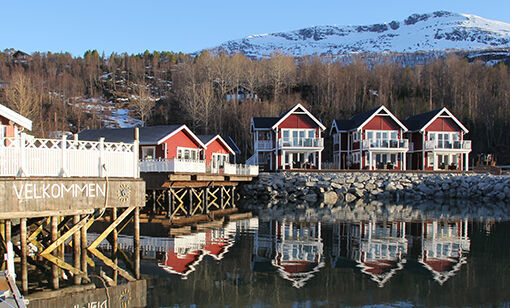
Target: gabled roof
(359, 120)
(292, 110)
(148, 134)
(266, 123)
(421, 121)
(263, 122)
(233, 145)
(15, 117)
(208, 139)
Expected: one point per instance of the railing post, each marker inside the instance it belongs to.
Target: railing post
(22, 156)
(136, 149)
(63, 158)
(101, 158)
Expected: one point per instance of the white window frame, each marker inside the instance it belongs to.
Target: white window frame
(181, 153)
(146, 149)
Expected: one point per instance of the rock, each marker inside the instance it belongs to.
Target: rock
(330, 197)
(311, 197)
(350, 197)
(310, 184)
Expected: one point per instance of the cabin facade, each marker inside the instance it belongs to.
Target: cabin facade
(217, 152)
(372, 140)
(291, 141)
(12, 124)
(172, 148)
(437, 141)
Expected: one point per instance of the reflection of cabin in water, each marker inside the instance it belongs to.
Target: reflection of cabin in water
(379, 249)
(295, 250)
(443, 247)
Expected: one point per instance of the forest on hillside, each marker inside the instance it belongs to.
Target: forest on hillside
(220, 93)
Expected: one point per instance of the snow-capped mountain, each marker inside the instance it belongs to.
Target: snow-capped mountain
(436, 31)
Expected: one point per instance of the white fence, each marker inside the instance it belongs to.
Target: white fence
(239, 169)
(173, 165)
(69, 158)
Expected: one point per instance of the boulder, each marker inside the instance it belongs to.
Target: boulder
(350, 197)
(330, 197)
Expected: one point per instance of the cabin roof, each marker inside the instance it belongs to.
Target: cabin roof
(148, 134)
(233, 145)
(360, 119)
(207, 139)
(262, 123)
(421, 121)
(15, 117)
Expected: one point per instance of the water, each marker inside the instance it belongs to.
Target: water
(284, 263)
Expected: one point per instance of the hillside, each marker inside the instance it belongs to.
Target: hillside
(437, 31)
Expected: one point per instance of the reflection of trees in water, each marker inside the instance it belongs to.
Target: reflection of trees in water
(247, 276)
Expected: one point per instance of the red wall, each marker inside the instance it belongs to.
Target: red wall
(9, 129)
(180, 139)
(381, 123)
(215, 147)
(444, 125)
(298, 121)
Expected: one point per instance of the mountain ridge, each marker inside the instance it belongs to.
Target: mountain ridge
(437, 31)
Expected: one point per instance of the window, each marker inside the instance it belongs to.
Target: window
(298, 137)
(149, 153)
(188, 153)
(430, 159)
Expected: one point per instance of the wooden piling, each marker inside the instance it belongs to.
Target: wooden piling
(24, 254)
(54, 267)
(83, 238)
(115, 237)
(137, 242)
(76, 250)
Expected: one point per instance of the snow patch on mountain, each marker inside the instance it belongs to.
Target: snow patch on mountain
(419, 32)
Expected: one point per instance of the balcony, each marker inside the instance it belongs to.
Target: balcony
(27, 156)
(306, 143)
(448, 145)
(264, 145)
(173, 165)
(396, 144)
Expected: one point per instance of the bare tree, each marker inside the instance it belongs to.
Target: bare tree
(22, 97)
(143, 102)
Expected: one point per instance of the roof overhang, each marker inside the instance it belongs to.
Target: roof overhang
(222, 141)
(186, 129)
(450, 115)
(15, 117)
(383, 108)
(292, 111)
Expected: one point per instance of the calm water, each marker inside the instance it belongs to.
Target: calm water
(265, 263)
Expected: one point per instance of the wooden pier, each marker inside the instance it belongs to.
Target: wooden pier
(179, 195)
(49, 218)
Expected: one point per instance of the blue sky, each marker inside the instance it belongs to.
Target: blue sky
(188, 26)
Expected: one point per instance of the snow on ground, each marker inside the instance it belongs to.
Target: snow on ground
(112, 114)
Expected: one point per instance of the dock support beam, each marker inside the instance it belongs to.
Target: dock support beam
(24, 253)
(54, 267)
(76, 250)
(83, 238)
(136, 240)
(114, 246)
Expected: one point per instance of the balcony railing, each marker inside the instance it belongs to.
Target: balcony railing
(397, 144)
(301, 142)
(239, 169)
(263, 144)
(26, 156)
(448, 145)
(173, 165)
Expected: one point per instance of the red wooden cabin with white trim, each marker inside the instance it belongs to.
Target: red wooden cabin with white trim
(12, 123)
(370, 140)
(291, 141)
(217, 151)
(437, 141)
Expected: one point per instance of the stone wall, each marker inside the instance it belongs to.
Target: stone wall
(316, 188)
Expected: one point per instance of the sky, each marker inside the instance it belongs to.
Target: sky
(189, 26)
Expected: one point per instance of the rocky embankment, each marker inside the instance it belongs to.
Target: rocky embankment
(330, 189)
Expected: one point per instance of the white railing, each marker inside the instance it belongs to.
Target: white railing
(173, 165)
(69, 158)
(239, 169)
(264, 144)
(448, 145)
(301, 142)
(396, 144)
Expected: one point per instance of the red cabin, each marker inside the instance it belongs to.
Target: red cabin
(437, 141)
(371, 140)
(291, 141)
(12, 123)
(217, 151)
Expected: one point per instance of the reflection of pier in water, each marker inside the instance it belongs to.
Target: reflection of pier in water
(294, 249)
(181, 255)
